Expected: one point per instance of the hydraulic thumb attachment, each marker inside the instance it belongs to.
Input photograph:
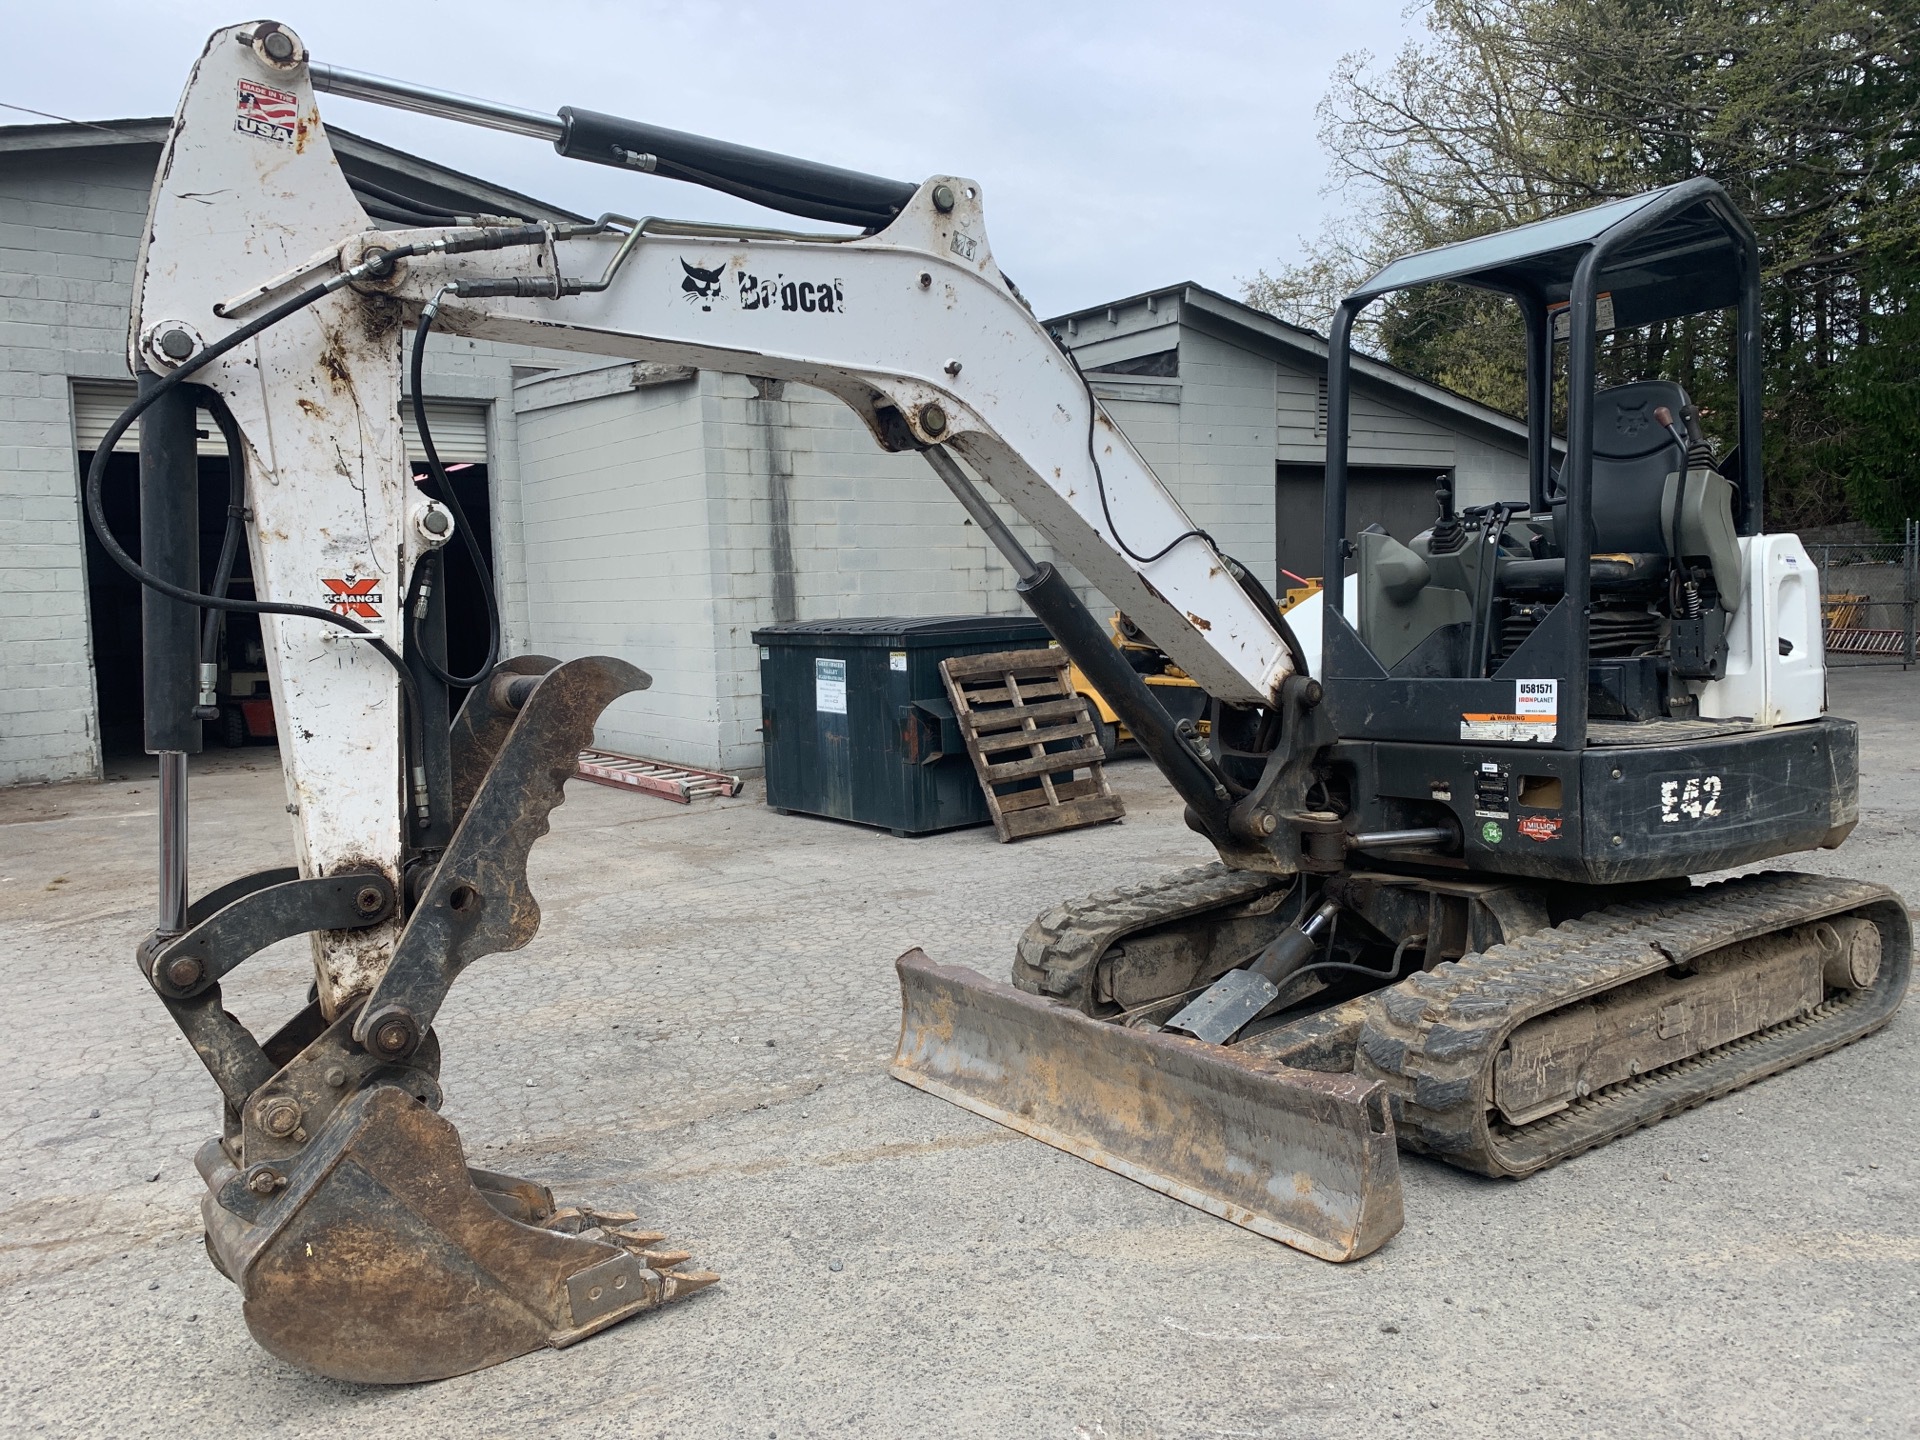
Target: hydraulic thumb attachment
(1298, 1156)
(338, 1200)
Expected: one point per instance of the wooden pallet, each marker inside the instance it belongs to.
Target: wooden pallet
(1028, 733)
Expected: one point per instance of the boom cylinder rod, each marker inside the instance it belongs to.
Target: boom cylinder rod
(1090, 647)
(984, 515)
(423, 100)
(781, 182)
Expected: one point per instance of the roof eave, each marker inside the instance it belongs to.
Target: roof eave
(109, 134)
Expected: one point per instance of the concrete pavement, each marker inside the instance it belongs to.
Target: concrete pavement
(700, 1033)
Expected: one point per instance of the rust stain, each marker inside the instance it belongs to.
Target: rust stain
(334, 367)
(1198, 623)
(312, 408)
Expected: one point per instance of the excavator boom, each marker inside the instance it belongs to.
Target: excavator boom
(337, 1199)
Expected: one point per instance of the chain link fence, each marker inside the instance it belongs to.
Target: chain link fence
(1868, 596)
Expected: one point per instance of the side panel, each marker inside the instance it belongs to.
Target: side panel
(1622, 813)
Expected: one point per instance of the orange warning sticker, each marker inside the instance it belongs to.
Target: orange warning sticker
(1534, 718)
(356, 595)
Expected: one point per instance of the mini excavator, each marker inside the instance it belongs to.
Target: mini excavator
(1457, 798)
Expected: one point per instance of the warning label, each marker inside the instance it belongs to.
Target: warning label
(1563, 315)
(830, 687)
(1534, 719)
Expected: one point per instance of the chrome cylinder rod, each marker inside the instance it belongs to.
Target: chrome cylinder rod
(1424, 837)
(172, 919)
(357, 85)
(984, 515)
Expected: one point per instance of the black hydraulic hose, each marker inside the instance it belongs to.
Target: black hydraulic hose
(1391, 973)
(1248, 581)
(404, 214)
(364, 190)
(1100, 479)
(97, 515)
(216, 406)
(438, 473)
(1263, 600)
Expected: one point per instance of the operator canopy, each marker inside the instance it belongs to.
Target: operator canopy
(1670, 252)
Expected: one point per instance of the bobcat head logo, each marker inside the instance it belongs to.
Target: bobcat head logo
(701, 285)
(1631, 422)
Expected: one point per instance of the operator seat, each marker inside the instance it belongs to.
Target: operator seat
(1633, 454)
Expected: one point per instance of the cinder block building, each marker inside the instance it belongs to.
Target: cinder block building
(644, 511)
(73, 198)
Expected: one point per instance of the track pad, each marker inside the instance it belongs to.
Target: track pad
(372, 1257)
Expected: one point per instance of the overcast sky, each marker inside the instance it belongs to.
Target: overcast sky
(1121, 145)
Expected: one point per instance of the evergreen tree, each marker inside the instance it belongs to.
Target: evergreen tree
(1514, 110)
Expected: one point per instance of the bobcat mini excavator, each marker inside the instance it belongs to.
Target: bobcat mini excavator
(1452, 908)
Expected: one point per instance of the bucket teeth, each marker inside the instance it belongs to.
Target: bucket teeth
(609, 1219)
(634, 1238)
(664, 1259)
(678, 1284)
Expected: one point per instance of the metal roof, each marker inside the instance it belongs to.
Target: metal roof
(1306, 348)
(360, 158)
(1675, 251)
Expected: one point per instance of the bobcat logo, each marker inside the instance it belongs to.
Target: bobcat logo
(702, 285)
(1632, 422)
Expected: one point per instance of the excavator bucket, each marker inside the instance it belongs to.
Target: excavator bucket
(377, 1257)
(1301, 1157)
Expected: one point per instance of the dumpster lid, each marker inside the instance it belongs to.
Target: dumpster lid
(903, 632)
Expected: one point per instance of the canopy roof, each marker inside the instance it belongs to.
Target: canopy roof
(1674, 251)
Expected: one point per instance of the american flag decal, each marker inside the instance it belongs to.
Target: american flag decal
(266, 112)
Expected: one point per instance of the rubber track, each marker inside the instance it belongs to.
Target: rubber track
(1057, 954)
(1434, 1037)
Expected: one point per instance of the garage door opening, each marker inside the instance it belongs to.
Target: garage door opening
(113, 597)
(1398, 498)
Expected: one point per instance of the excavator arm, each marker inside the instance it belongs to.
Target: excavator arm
(266, 291)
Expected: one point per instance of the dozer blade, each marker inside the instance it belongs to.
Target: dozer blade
(1301, 1157)
(377, 1257)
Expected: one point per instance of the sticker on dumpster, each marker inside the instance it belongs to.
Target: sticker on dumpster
(830, 687)
(897, 660)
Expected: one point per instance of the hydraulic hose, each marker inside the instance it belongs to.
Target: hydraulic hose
(97, 473)
(438, 473)
(216, 406)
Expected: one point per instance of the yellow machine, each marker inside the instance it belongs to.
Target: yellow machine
(1171, 685)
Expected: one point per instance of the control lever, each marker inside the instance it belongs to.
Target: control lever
(1238, 996)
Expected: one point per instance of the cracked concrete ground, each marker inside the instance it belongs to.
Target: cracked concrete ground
(700, 1033)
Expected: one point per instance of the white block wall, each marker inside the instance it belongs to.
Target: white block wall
(68, 235)
(653, 522)
(69, 232)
